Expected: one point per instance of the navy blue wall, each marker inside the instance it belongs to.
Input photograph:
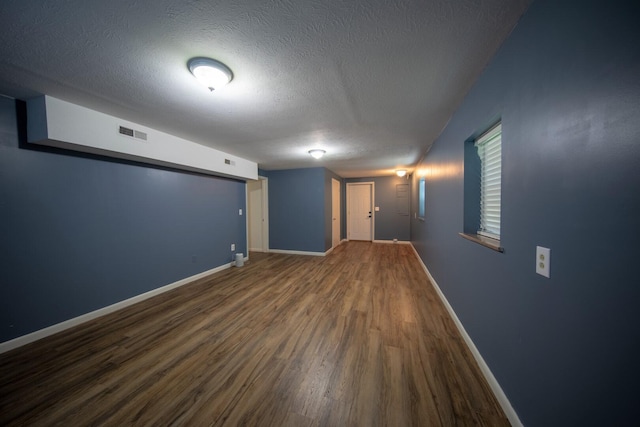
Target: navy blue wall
(567, 86)
(298, 209)
(389, 224)
(78, 233)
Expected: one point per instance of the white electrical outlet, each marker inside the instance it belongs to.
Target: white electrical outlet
(233, 246)
(239, 211)
(543, 261)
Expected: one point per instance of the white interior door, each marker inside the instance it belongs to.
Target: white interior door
(335, 212)
(257, 215)
(254, 189)
(360, 211)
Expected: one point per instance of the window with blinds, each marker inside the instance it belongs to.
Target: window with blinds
(421, 198)
(489, 147)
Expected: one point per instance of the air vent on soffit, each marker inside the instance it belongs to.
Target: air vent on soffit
(132, 133)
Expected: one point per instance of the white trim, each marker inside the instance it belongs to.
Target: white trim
(246, 217)
(486, 371)
(402, 242)
(333, 247)
(59, 327)
(287, 252)
(333, 225)
(265, 212)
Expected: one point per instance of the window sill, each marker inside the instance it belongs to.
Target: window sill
(484, 241)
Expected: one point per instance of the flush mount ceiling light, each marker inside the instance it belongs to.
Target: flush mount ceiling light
(211, 73)
(317, 153)
(401, 172)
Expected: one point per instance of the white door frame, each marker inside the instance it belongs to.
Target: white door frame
(373, 203)
(265, 213)
(335, 222)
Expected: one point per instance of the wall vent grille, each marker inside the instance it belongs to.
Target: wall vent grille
(132, 133)
(140, 135)
(125, 131)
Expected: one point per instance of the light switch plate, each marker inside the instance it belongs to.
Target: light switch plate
(239, 211)
(543, 261)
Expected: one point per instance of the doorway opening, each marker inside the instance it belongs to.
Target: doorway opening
(258, 215)
(335, 213)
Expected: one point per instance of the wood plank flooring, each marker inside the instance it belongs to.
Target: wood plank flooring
(356, 338)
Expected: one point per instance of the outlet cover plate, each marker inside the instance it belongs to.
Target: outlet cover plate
(543, 261)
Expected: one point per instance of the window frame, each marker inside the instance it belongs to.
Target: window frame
(472, 229)
(489, 146)
(422, 198)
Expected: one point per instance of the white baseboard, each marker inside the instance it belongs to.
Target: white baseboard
(59, 327)
(493, 383)
(287, 252)
(333, 247)
(402, 242)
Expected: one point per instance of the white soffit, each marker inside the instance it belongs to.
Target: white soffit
(61, 124)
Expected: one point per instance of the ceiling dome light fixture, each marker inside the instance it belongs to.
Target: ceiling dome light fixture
(401, 172)
(211, 73)
(317, 153)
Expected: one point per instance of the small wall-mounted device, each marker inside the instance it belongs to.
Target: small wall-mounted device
(543, 261)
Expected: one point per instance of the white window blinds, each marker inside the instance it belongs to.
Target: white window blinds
(490, 152)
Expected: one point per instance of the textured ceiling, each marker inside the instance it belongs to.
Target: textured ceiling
(373, 82)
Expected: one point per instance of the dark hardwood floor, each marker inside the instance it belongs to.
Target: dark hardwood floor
(356, 338)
